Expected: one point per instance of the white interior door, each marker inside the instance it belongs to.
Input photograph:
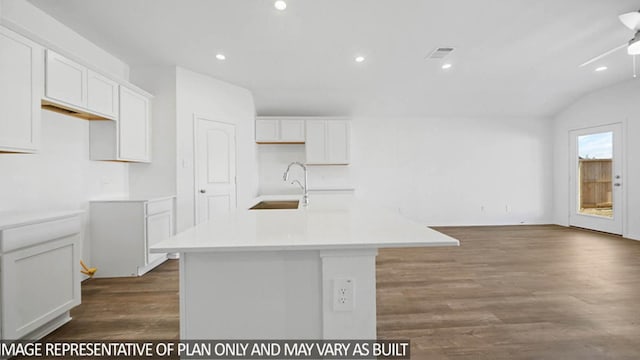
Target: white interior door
(215, 168)
(596, 186)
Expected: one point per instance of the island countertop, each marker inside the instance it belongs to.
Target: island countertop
(326, 223)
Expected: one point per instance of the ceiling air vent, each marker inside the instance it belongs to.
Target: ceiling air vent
(440, 53)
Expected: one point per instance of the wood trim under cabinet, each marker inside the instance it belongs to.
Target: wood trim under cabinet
(280, 143)
(68, 110)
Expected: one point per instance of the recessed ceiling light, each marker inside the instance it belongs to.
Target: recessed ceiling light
(359, 59)
(280, 5)
(220, 57)
(601, 68)
(446, 66)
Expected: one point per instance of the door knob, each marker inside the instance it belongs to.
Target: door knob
(617, 184)
(202, 191)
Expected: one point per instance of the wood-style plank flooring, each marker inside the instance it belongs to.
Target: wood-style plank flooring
(526, 292)
(513, 292)
(140, 308)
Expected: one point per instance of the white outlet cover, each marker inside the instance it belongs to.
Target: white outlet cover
(343, 294)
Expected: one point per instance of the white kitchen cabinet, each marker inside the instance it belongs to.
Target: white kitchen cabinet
(66, 81)
(102, 95)
(21, 79)
(122, 230)
(128, 138)
(327, 142)
(267, 131)
(280, 130)
(40, 275)
(75, 90)
(159, 227)
(133, 126)
(315, 143)
(33, 77)
(292, 130)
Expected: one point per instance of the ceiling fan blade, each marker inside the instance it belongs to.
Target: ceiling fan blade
(631, 20)
(594, 59)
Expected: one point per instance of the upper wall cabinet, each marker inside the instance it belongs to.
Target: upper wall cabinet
(102, 95)
(134, 126)
(73, 89)
(32, 77)
(128, 138)
(66, 81)
(20, 92)
(327, 142)
(280, 131)
(120, 128)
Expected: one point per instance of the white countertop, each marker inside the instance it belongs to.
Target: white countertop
(329, 222)
(126, 198)
(10, 219)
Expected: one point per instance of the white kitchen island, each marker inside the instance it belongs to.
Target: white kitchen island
(279, 274)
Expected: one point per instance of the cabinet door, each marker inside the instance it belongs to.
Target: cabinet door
(102, 95)
(267, 131)
(292, 131)
(133, 129)
(20, 92)
(337, 142)
(159, 228)
(315, 144)
(65, 80)
(39, 283)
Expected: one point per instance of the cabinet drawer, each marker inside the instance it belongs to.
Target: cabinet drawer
(155, 207)
(25, 236)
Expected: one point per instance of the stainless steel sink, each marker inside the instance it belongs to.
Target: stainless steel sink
(275, 204)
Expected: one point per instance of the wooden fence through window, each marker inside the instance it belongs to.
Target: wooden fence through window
(595, 183)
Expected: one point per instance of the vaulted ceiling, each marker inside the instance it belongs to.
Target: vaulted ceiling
(511, 57)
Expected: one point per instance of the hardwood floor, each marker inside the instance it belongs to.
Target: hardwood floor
(141, 308)
(520, 292)
(526, 292)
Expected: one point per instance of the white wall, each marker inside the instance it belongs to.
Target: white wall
(23, 17)
(205, 96)
(616, 104)
(179, 94)
(157, 178)
(60, 175)
(273, 161)
(438, 171)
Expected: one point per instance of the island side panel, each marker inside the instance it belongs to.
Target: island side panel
(251, 295)
(359, 320)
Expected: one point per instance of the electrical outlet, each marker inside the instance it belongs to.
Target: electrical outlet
(343, 294)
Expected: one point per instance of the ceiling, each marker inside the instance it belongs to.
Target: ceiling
(512, 57)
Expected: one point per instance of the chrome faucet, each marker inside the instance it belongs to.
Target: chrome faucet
(285, 177)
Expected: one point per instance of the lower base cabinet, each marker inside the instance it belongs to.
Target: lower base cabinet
(40, 275)
(123, 230)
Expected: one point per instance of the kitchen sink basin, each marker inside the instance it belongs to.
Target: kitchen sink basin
(275, 204)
